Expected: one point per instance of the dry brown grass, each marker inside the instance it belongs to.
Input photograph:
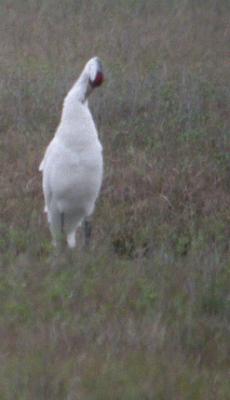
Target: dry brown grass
(144, 315)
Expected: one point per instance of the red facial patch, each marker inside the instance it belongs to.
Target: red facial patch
(98, 80)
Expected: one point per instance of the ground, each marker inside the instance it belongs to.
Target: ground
(145, 312)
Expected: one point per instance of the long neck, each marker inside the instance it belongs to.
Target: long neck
(80, 89)
(78, 94)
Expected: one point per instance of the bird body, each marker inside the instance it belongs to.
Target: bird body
(73, 164)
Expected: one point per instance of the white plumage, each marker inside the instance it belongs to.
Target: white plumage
(72, 166)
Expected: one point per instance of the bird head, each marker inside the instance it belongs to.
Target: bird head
(95, 72)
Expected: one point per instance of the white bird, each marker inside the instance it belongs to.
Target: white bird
(72, 166)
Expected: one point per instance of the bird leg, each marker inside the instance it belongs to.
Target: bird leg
(62, 237)
(87, 232)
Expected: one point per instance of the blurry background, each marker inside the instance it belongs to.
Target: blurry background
(145, 314)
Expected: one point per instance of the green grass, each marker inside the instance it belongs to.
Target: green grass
(145, 313)
(137, 328)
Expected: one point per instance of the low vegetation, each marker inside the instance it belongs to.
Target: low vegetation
(145, 313)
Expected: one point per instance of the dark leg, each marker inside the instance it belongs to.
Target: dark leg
(87, 231)
(62, 236)
(62, 223)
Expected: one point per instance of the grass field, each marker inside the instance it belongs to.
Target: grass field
(145, 314)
